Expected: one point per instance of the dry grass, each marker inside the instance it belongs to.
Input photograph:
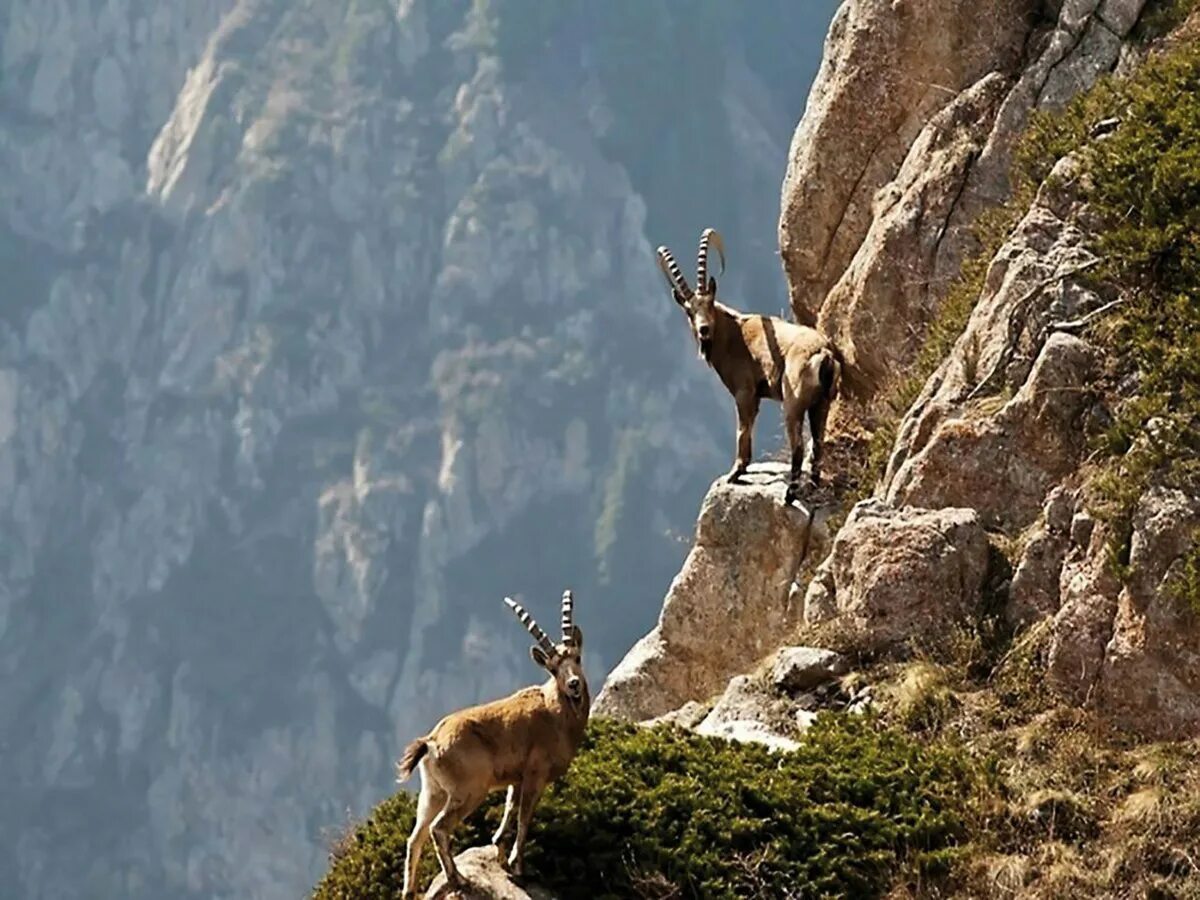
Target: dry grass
(1077, 809)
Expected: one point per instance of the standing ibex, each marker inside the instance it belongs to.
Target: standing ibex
(759, 357)
(522, 742)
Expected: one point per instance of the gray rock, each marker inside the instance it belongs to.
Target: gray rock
(688, 716)
(899, 576)
(803, 668)
(486, 878)
(750, 712)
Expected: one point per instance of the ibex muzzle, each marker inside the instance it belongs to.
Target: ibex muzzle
(522, 742)
(759, 357)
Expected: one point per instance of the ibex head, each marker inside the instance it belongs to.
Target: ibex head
(700, 305)
(564, 659)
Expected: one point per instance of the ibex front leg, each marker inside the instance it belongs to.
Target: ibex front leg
(530, 792)
(747, 412)
(509, 802)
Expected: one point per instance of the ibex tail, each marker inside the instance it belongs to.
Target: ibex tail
(847, 377)
(412, 755)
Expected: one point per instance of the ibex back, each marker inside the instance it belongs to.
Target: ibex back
(760, 357)
(522, 742)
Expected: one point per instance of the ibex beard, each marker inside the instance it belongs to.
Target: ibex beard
(760, 357)
(521, 743)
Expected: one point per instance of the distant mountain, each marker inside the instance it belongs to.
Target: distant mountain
(324, 325)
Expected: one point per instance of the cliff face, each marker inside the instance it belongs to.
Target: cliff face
(874, 227)
(324, 326)
(986, 509)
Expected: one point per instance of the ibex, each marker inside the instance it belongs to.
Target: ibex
(522, 742)
(759, 357)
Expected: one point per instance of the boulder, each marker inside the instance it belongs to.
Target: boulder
(750, 711)
(804, 668)
(486, 878)
(896, 576)
(687, 716)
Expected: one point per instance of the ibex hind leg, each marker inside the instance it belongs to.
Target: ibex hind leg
(430, 802)
(454, 811)
(794, 420)
(818, 413)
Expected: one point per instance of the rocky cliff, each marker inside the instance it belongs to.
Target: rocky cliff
(324, 326)
(936, 248)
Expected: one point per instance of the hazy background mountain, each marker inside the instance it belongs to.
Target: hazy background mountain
(323, 325)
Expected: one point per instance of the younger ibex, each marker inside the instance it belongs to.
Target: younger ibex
(759, 357)
(522, 742)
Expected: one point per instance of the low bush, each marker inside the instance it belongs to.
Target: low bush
(664, 812)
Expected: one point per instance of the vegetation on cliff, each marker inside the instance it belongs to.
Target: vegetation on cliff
(1143, 182)
(665, 813)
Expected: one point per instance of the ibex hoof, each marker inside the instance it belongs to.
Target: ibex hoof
(735, 475)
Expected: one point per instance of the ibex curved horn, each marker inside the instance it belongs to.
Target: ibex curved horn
(710, 236)
(675, 278)
(530, 625)
(568, 616)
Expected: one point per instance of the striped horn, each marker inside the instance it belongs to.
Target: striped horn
(568, 615)
(530, 625)
(710, 236)
(675, 278)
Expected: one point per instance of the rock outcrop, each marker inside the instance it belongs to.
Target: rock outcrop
(876, 207)
(875, 224)
(956, 446)
(899, 576)
(889, 68)
(1132, 649)
(730, 604)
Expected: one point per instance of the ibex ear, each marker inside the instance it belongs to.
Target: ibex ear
(679, 298)
(712, 285)
(540, 656)
(577, 637)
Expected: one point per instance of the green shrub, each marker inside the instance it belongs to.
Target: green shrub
(853, 808)
(1161, 17)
